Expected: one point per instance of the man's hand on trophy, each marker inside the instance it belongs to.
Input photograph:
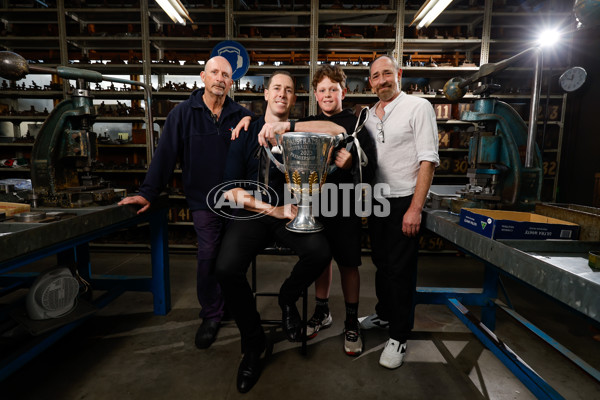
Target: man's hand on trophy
(287, 211)
(269, 130)
(290, 211)
(243, 124)
(343, 159)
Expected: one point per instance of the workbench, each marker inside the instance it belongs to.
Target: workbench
(69, 238)
(557, 268)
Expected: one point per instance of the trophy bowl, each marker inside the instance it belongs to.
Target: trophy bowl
(305, 166)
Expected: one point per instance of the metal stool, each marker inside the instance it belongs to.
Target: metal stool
(275, 250)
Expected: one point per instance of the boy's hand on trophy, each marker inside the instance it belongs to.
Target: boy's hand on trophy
(343, 159)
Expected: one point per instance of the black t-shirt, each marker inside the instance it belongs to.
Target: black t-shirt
(347, 119)
(247, 161)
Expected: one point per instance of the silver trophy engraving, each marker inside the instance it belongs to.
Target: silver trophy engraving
(305, 166)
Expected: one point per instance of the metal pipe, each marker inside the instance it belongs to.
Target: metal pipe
(535, 99)
(492, 68)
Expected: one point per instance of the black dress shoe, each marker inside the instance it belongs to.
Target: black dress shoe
(291, 322)
(207, 333)
(249, 371)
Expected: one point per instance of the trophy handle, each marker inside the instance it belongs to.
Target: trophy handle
(279, 165)
(363, 116)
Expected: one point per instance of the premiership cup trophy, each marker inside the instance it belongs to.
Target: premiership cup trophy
(305, 166)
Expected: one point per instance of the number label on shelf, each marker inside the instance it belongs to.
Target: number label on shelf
(549, 168)
(459, 166)
(444, 166)
(442, 111)
(463, 107)
(553, 113)
(184, 215)
(432, 243)
(444, 139)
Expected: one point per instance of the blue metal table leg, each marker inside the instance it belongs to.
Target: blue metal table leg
(535, 383)
(594, 373)
(161, 284)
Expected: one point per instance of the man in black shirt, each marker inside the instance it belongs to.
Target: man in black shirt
(258, 225)
(343, 229)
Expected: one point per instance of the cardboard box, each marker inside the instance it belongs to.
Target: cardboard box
(516, 225)
(11, 209)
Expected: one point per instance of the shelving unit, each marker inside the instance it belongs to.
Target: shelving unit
(135, 39)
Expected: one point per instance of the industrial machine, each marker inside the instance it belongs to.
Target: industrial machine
(65, 148)
(505, 164)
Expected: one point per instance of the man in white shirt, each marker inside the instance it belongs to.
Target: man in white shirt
(405, 133)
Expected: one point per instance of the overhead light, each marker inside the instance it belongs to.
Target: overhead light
(175, 10)
(429, 12)
(548, 37)
(171, 12)
(181, 9)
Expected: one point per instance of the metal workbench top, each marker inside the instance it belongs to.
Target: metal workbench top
(17, 239)
(20, 238)
(558, 268)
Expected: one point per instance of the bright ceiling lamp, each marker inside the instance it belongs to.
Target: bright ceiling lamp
(429, 12)
(548, 37)
(175, 10)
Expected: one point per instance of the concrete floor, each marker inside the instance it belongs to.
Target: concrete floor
(126, 352)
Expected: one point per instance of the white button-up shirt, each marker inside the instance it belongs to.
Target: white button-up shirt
(410, 136)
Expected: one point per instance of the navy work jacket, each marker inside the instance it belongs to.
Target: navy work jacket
(200, 144)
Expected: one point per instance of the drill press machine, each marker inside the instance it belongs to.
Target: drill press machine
(65, 147)
(505, 163)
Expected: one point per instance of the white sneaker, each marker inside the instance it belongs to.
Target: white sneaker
(372, 321)
(393, 354)
(316, 323)
(352, 339)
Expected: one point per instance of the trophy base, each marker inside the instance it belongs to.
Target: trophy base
(306, 227)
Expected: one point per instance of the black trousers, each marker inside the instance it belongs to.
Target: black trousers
(243, 240)
(395, 257)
